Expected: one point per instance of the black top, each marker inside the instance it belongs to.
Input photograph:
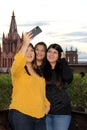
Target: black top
(59, 99)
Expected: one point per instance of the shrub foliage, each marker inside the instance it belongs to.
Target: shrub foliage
(5, 90)
(78, 92)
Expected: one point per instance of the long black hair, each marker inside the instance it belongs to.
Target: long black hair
(47, 71)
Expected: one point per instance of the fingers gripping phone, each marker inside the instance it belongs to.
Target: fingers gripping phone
(35, 31)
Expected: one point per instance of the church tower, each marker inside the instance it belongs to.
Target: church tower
(9, 44)
(72, 56)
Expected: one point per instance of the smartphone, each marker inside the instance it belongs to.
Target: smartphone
(35, 31)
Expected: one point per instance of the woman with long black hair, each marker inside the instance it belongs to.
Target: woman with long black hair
(58, 75)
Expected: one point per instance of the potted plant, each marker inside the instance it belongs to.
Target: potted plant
(78, 93)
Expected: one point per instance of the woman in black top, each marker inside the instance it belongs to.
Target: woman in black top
(58, 75)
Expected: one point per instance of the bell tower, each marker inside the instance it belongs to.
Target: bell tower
(9, 44)
(72, 56)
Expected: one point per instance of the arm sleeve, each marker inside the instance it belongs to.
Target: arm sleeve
(67, 72)
(47, 102)
(18, 63)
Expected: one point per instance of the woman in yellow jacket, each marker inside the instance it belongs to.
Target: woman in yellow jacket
(29, 104)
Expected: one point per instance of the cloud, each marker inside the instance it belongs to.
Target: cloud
(35, 23)
(80, 33)
(78, 40)
(0, 38)
(78, 37)
(84, 27)
(82, 56)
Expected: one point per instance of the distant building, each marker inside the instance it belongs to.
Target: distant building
(11, 42)
(9, 45)
(72, 56)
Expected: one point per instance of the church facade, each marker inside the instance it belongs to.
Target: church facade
(9, 45)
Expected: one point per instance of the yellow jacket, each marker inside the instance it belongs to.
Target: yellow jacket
(28, 94)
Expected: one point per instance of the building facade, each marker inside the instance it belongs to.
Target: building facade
(9, 45)
(72, 56)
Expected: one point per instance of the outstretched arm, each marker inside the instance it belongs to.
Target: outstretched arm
(27, 37)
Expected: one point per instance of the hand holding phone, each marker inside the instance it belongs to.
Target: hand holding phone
(35, 31)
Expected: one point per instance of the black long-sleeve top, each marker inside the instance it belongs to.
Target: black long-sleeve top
(59, 98)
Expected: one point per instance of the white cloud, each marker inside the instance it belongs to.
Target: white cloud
(60, 17)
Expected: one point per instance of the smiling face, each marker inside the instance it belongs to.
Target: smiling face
(40, 52)
(52, 56)
(30, 54)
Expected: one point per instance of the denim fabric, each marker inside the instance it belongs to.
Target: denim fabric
(20, 121)
(58, 122)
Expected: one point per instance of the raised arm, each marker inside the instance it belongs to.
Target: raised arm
(67, 72)
(27, 37)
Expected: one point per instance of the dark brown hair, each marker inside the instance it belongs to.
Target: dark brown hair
(45, 48)
(47, 71)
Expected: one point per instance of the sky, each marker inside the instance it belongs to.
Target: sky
(62, 21)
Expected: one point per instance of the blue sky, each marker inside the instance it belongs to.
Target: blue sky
(62, 21)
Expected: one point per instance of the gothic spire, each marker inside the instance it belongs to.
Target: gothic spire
(13, 28)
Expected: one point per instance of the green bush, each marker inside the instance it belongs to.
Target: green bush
(5, 91)
(78, 92)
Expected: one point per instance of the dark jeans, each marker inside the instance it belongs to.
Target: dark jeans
(20, 121)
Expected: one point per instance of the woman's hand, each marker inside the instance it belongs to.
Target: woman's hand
(27, 37)
(47, 109)
(63, 55)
